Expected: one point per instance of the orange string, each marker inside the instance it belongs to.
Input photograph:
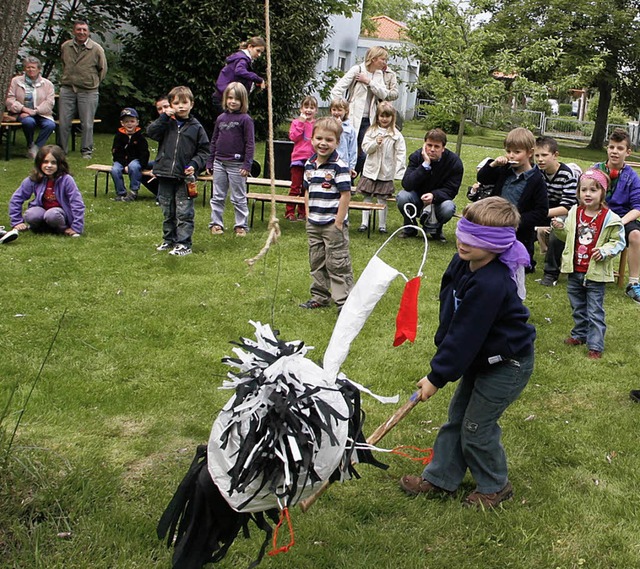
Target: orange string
(284, 514)
(427, 452)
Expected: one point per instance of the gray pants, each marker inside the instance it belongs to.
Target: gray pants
(40, 219)
(86, 104)
(226, 176)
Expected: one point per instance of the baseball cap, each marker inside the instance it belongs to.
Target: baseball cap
(128, 112)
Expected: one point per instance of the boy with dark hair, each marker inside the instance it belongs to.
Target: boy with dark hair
(623, 198)
(561, 191)
(485, 339)
(431, 183)
(130, 155)
(183, 152)
(522, 184)
(327, 185)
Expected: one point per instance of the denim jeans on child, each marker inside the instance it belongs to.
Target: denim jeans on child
(587, 302)
(177, 208)
(471, 437)
(135, 176)
(226, 176)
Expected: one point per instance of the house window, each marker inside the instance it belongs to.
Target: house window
(342, 60)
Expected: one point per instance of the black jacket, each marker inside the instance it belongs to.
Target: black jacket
(443, 180)
(128, 148)
(180, 147)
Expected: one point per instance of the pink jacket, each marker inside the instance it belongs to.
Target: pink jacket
(43, 96)
(300, 133)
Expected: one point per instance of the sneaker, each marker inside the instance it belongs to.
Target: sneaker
(130, 197)
(594, 355)
(439, 237)
(311, 304)
(548, 280)
(290, 217)
(33, 151)
(216, 230)
(301, 218)
(479, 500)
(383, 230)
(405, 235)
(8, 236)
(240, 232)
(362, 228)
(633, 292)
(635, 395)
(87, 156)
(571, 341)
(164, 246)
(180, 251)
(121, 198)
(416, 485)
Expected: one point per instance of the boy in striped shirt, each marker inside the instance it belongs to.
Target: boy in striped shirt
(327, 192)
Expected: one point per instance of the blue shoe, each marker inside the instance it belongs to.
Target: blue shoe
(633, 292)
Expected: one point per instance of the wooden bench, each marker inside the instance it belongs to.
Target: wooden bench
(9, 128)
(106, 170)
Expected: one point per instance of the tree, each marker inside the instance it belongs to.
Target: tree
(13, 15)
(600, 43)
(399, 10)
(185, 42)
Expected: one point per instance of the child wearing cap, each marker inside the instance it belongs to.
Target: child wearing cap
(130, 155)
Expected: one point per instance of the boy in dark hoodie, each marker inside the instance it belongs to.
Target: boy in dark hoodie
(130, 155)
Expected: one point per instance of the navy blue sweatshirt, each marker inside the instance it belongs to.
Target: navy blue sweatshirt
(481, 316)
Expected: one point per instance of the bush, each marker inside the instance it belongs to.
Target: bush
(564, 109)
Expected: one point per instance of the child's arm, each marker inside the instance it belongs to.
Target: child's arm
(21, 195)
(143, 152)
(70, 188)
(212, 148)
(343, 208)
(370, 143)
(296, 130)
(401, 156)
(614, 245)
(157, 129)
(249, 146)
(352, 149)
(117, 151)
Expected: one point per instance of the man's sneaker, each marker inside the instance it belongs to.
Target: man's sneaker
(180, 250)
(165, 246)
(121, 198)
(405, 235)
(311, 304)
(362, 228)
(8, 236)
(633, 292)
(548, 280)
(130, 197)
(635, 395)
(479, 500)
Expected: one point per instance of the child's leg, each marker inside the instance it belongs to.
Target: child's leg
(338, 263)
(167, 201)
(238, 185)
(578, 301)
(317, 262)
(55, 219)
(368, 198)
(117, 173)
(135, 175)
(382, 224)
(297, 175)
(219, 193)
(185, 214)
(34, 218)
(595, 314)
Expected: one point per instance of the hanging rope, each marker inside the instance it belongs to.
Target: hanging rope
(274, 226)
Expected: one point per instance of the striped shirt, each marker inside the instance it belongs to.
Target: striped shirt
(324, 184)
(561, 187)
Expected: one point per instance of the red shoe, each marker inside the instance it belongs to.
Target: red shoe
(570, 341)
(594, 355)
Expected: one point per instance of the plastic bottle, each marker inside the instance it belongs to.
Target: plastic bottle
(192, 185)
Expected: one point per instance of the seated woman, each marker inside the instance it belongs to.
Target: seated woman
(30, 100)
(56, 202)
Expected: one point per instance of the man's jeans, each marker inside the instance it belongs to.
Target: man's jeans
(86, 103)
(444, 211)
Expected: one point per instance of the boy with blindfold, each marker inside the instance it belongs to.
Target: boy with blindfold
(485, 339)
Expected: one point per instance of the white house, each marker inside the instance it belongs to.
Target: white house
(346, 47)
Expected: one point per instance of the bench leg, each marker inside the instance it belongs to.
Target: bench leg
(253, 207)
(95, 185)
(5, 133)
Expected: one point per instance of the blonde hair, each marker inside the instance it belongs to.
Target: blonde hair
(255, 41)
(341, 104)
(372, 53)
(239, 91)
(520, 139)
(309, 100)
(385, 108)
(330, 124)
(180, 93)
(493, 211)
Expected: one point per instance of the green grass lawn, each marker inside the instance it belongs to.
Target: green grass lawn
(131, 387)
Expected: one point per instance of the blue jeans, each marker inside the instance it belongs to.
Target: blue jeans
(29, 125)
(587, 302)
(86, 103)
(177, 208)
(444, 210)
(135, 176)
(471, 437)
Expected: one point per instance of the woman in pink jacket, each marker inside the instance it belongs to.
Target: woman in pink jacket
(30, 100)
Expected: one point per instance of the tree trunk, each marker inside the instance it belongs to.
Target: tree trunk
(600, 129)
(461, 125)
(13, 15)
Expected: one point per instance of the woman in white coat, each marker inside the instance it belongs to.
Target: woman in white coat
(364, 86)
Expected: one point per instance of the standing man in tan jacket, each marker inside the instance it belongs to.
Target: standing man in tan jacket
(84, 66)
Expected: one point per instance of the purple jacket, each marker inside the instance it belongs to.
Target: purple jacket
(626, 196)
(232, 139)
(67, 194)
(237, 68)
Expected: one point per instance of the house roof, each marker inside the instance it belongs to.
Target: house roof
(387, 28)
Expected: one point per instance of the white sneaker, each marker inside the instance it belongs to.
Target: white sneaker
(33, 150)
(164, 246)
(180, 251)
(8, 236)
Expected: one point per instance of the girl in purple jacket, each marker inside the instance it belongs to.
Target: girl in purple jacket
(56, 202)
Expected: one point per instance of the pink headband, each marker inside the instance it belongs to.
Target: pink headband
(597, 175)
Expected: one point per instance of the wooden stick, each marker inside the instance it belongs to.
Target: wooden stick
(373, 439)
